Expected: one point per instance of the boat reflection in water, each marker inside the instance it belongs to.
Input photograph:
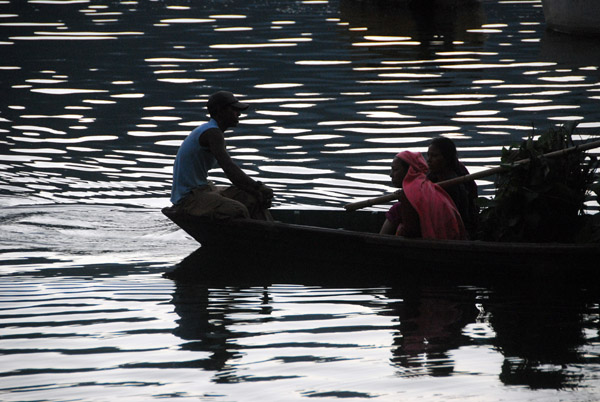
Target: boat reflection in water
(536, 330)
(541, 332)
(430, 327)
(202, 325)
(408, 24)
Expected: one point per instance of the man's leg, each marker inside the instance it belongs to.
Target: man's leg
(209, 202)
(255, 209)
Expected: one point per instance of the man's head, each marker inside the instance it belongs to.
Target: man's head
(223, 99)
(225, 109)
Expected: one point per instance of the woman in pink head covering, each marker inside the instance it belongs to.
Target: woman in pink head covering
(424, 208)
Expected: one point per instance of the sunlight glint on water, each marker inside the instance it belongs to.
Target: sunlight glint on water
(99, 96)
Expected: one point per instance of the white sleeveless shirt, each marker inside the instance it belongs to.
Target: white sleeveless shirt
(192, 163)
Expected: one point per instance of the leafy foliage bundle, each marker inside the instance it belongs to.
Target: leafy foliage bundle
(540, 201)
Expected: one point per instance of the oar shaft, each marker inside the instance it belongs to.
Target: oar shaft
(473, 176)
(498, 169)
(373, 201)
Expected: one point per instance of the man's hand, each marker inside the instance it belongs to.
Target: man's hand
(264, 195)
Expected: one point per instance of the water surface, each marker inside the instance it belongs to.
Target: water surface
(99, 94)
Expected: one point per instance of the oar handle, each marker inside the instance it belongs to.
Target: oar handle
(469, 177)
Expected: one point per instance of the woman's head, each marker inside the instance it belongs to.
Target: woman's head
(403, 163)
(441, 155)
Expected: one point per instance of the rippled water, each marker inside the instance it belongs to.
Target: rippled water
(107, 333)
(97, 95)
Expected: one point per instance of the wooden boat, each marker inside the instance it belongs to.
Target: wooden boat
(341, 245)
(573, 16)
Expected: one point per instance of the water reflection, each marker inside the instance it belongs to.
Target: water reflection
(543, 332)
(431, 326)
(404, 26)
(570, 51)
(204, 327)
(318, 325)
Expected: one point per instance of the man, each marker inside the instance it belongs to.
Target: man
(203, 149)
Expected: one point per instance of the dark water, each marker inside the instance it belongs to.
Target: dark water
(97, 95)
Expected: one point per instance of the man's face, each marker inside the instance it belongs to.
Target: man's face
(232, 115)
(229, 115)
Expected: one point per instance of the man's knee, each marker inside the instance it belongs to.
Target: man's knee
(212, 204)
(233, 209)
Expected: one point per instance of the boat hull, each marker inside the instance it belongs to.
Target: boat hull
(349, 247)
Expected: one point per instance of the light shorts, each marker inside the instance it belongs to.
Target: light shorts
(216, 202)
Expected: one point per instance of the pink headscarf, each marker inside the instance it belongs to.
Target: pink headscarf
(438, 215)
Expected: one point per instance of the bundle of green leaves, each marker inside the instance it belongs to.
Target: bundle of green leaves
(543, 200)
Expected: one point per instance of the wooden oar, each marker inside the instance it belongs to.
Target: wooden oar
(461, 179)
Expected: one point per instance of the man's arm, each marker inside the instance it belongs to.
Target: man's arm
(215, 141)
